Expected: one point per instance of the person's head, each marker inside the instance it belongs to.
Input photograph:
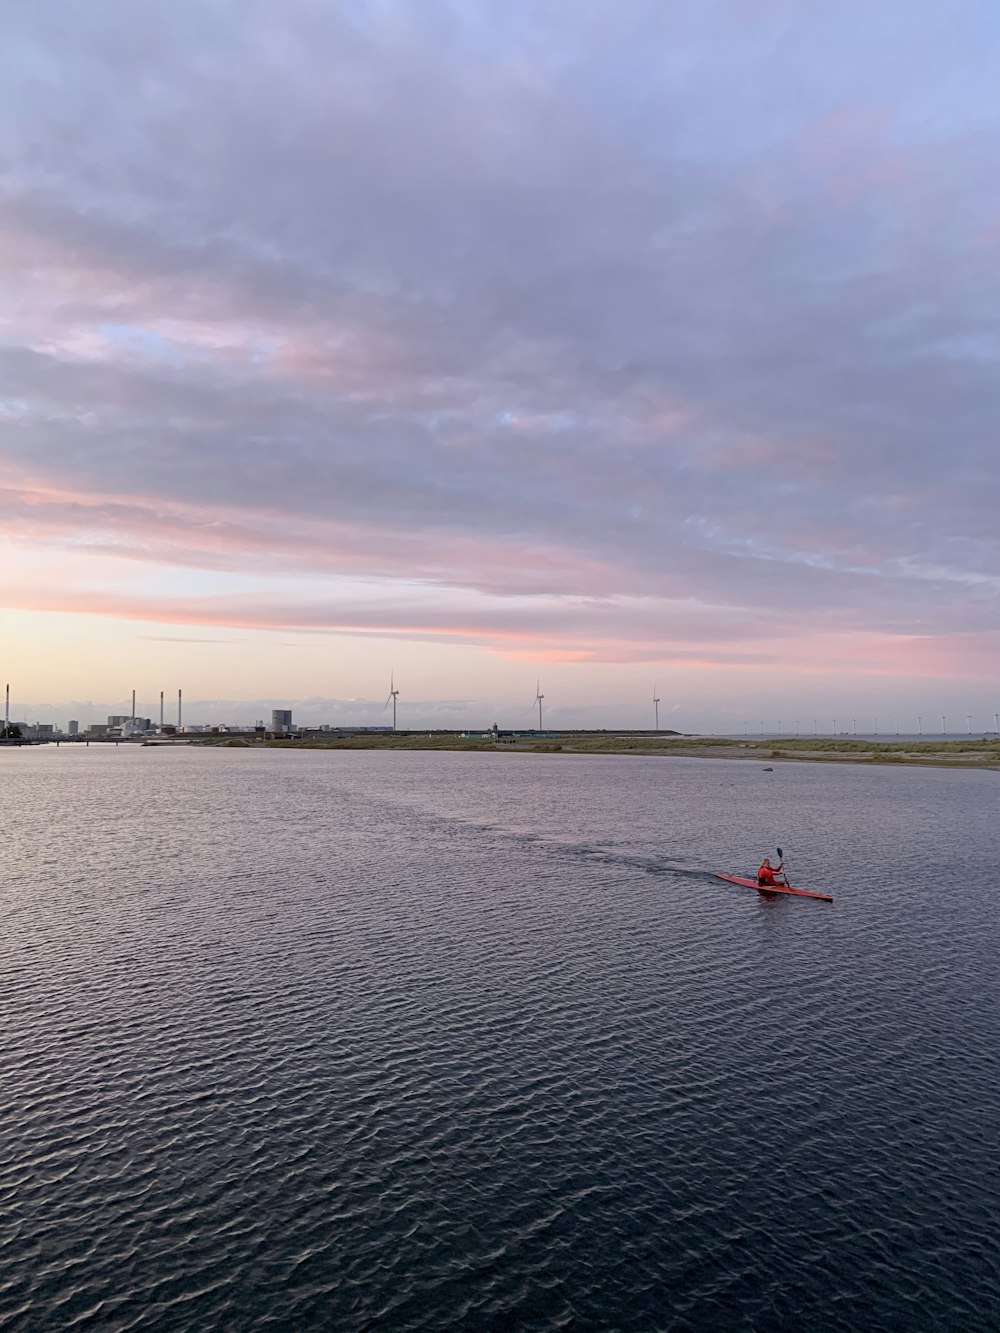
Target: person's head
(766, 861)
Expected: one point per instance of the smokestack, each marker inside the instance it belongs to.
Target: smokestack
(161, 710)
(133, 706)
(178, 710)
(6, 714)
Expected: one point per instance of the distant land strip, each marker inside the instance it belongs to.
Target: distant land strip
(968, 753)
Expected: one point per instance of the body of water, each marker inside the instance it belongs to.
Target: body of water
(359, 1040)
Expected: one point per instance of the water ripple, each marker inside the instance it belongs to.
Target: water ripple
(364, 1041)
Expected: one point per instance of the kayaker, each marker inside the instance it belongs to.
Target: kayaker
(768, 874)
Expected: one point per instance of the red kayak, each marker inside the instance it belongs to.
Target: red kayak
(776, 888)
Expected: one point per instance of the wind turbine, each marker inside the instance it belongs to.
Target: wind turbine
(538, 700)
(656, 708)
(393, 695)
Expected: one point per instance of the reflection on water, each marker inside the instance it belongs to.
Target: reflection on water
(420, 1041)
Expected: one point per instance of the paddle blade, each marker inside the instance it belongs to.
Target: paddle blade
(781, 854)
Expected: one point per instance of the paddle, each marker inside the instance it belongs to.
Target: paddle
(781, 857)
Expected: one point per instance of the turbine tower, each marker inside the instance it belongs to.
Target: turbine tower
(393, 696)
(538, 700)
(656, 708)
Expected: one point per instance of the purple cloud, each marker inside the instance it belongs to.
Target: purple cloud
(694, 304)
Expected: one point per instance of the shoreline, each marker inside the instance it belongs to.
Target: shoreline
(974, 754)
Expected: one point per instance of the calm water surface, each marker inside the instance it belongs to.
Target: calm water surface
(432, 1041)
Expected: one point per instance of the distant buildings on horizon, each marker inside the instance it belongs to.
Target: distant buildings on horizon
(126, 726)
(123, 726)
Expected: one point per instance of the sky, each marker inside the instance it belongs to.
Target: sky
(635, 349)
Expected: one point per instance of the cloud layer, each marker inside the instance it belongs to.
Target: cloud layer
(620, 333)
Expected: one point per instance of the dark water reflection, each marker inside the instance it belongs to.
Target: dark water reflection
(362, 1041)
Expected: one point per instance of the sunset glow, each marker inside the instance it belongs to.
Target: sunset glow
(622, 346)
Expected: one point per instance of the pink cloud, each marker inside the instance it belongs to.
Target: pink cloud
(191, 534)
(602, 633)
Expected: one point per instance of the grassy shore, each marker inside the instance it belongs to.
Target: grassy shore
(969, 753)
